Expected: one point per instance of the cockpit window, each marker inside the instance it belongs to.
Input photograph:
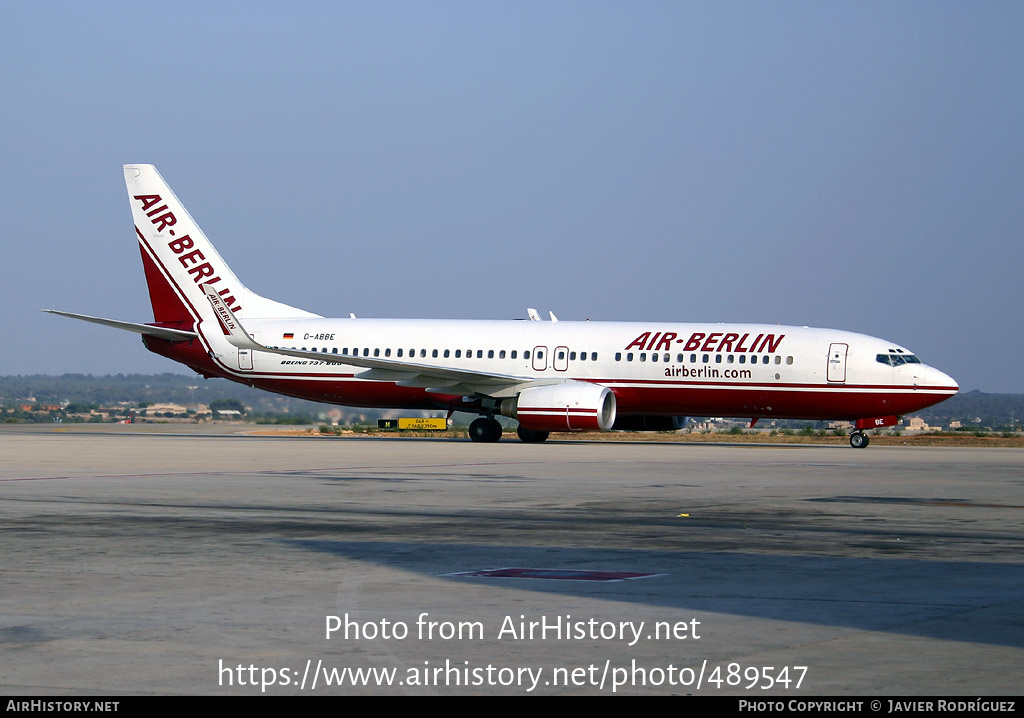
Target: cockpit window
(895, 359)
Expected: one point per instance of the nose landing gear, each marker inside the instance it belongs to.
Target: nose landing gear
(859, 440)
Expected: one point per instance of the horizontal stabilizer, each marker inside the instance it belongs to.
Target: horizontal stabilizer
(173, 335)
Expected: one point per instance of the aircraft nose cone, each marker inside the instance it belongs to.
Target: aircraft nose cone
(951, 381)
(934, 377)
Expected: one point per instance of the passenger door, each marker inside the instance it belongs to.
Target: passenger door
(837, 362)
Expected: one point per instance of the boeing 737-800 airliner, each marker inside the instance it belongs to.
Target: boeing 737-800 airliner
(550, 375)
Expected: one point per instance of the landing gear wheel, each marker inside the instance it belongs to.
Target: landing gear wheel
(859, 440)
(529, 436)
(485, 429)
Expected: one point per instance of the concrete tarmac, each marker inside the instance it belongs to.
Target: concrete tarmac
(163, 560)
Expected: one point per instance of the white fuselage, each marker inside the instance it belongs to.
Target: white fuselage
(745, 370)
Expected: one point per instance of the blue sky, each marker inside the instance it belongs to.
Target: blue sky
(856, 165)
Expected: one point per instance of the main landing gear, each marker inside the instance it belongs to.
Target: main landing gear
(859, 440)
(485, 429)
(529, 436)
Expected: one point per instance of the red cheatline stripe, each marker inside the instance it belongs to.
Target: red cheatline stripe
(774, 385)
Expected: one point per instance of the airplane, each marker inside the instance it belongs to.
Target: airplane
(552, 376)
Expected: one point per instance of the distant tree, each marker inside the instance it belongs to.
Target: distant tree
(227, 405)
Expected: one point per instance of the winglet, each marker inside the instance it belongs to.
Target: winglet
(233, 330)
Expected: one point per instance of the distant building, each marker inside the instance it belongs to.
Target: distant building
(916, 423)
(157, 409)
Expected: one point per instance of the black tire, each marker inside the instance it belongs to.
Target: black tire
(529, 436)
(485, 430)
(859, 440)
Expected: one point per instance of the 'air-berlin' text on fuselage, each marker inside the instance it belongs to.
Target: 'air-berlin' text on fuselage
(702, 342)
(203, 273)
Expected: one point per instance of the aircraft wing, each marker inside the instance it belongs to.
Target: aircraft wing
(437, 379)
(174, 335)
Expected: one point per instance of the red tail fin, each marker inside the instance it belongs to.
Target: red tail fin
(168, 309)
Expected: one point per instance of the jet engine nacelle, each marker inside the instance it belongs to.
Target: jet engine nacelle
(572, 406)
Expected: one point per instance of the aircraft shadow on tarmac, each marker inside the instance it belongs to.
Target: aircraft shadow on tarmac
(962, 601)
